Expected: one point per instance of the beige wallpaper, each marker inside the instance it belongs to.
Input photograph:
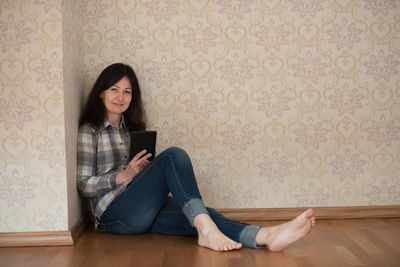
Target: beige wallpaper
(41, 71)
(33, 194)
(279, 103)
(73, 97)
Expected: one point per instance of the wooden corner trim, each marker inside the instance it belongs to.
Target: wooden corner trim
(34, 239)
(50, 238)
(77, 229)
(329, 213)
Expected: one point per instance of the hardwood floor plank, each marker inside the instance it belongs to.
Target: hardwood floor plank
(353, 252)
(367, 246)
(347, 256)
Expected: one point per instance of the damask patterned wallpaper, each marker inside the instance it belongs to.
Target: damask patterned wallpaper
(33, 182)
(279, 103)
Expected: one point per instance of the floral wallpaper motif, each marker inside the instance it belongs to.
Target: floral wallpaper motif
(281, 103)
(296, 103)
(36, 193)
(32, 146)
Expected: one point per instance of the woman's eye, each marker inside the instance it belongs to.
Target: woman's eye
(127, 92)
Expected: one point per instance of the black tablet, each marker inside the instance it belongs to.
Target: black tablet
(143, 140)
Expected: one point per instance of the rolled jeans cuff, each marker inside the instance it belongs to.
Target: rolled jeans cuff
(248, 236)
(192, 208)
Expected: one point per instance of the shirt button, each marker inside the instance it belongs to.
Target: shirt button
(121, 144)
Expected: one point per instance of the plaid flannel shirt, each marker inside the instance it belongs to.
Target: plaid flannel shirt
(102, 154)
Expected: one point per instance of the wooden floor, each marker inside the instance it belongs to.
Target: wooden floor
(362, 242)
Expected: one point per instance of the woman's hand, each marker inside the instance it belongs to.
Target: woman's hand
(139, 161)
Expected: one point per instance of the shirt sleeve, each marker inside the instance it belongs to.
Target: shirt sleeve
(89, 183)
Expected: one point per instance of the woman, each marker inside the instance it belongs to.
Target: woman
(133, 197)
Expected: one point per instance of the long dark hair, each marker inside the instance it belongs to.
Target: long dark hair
(94, 111)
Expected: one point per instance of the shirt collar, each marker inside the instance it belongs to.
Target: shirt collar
(107, 123)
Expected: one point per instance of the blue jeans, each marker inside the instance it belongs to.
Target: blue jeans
(145, 205)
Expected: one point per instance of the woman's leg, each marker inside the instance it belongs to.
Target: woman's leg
(171, 220)
(134, 210)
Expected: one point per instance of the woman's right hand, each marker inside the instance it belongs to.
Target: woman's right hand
(138, 162)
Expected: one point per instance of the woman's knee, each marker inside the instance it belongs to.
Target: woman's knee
(177, 152)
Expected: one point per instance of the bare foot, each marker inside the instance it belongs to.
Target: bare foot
(279, 237)
(211, 237)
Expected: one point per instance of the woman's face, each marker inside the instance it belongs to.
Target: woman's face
(117, 98)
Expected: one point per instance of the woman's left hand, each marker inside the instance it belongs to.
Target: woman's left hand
(139, 161)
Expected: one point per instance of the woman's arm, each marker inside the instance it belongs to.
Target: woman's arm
(89, 182)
